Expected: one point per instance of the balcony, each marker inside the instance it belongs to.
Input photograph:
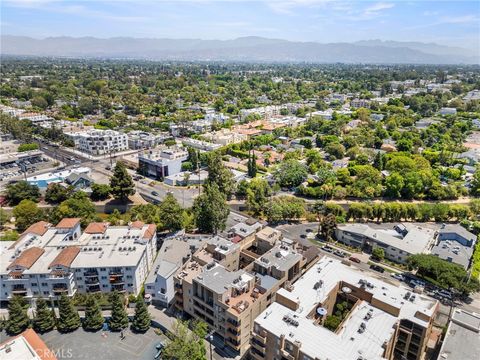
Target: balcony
(19, 290)
(259, 347)
(286, 355)
(118, 287)
(259, 338)
(60, 289)
(255, 354)
(90, 273)
(93, 289)
(17, 276)
(117, 279)
(116, 272)
(92, 281)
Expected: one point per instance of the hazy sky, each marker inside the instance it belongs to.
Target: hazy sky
(446, 22)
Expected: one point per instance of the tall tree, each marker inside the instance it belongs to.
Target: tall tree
(171, 213)
(56, 193)
(119, 317)
(18, 319)
(378, 161)
(185, 344)
(78, 205)
(27, 213)
(291, 173)
(141, 320)
(93, 315)
(211, 209)
(68, 318)
(22, 190)
(258, 193)
(252, 166)
(121, 183)
(218, 174)
(44, 318)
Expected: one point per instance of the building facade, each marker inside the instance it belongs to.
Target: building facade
(47, 261)
(101, 142)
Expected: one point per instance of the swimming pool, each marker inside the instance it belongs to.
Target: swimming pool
(42, 184)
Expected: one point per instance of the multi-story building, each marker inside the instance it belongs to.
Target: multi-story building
(159, 284)
(144, 140)
(162, 163)
(47, 260)
(212, 287)
(337, 311)
(225, 137)
(201, 145)
(397, 243)
(101, 142)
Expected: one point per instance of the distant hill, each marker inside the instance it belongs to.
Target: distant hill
(251, 48)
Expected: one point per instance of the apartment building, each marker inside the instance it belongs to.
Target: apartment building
(143, 140)
(398, 243)
(377, 320)
(214, 288)
(201, 145)
(161, 163)
(225, 137)
(47, 260)
(100, 142)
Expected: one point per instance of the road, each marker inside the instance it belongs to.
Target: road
(60, 154)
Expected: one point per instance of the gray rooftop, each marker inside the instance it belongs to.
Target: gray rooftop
(169, 259)
(462, 341)
(455, 253)
(280, 257)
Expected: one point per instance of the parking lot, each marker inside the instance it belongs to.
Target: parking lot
(9, 171)
(103, 345)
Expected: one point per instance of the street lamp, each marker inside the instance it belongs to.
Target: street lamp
(210, 338)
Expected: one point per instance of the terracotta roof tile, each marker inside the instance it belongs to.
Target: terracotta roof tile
(27, 258)
(137, 224)
(151, 230)
(39, 228)
(65, 257)
(36, 343)
(96, 227)
(68, 223)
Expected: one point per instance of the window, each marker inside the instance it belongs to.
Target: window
(45, 293)
(43, 275)
(104, 278)
(149, 287)
(44, 284)
(103, 269)
(34, 284)
(162, 291)
(104, 285)
(35, 293)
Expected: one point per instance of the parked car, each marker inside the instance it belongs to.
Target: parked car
(339, 253)
(377, 268)
(327, 249)
(354, 259)
(154, 193)
(399, 277)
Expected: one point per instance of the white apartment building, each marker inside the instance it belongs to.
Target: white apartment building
(11, 110)
(144, 140)
(225, 137)
(200, 145)
(47, 261)
(101, 142)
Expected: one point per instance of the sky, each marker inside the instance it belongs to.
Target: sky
(454, 23)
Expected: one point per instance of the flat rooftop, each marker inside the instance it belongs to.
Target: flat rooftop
(462, 341)
(318, 341)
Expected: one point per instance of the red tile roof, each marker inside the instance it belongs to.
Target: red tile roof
(39, 228)
(137, 224)
(36, 343)
(68, 223)
(96, 227)
(151, 230)
(65, 257)
(27, 258)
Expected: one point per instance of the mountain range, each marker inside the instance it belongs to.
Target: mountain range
(252, 48)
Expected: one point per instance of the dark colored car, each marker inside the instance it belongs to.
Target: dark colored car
(354, 259)
(377, 268)
(154, 193)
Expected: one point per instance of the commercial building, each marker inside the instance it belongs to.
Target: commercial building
(377, 320)
(462, 339)
(100, 142)
(161, 163)
(159, 284)
(47, 261)
(448, 111)
(213, 287)
(27, 346)
(398, 243)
